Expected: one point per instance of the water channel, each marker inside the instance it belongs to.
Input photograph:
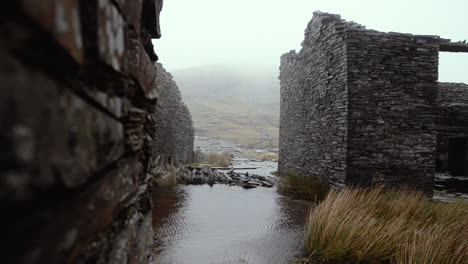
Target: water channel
(223, 224)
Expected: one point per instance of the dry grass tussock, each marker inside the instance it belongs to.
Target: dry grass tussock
(377, 226)
(302, 187)
(218, 160)
(166, 174)
(269, 157)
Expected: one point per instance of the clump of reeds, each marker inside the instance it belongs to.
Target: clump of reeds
(377, 226)
(269, 157)
(165, 174)
(302, 187)
(168, 176)
(218, 159)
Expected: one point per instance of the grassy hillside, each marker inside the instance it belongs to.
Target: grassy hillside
(235, 103)
(249, 125)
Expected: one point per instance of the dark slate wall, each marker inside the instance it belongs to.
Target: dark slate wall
(174, 129)
(392, 80)
(452, 120)
(452, 101)
(77, 86)
(359, 106)
(313, 121)
(452, 93)
(291, 139)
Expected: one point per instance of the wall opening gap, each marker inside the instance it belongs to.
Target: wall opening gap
(453, 67)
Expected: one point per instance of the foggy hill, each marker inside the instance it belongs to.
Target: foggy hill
(248, 84)
(237, 103)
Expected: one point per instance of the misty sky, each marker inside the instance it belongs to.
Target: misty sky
(258, 31)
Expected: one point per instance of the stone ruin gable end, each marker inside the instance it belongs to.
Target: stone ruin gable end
(452, 127)
(174, 132)
(77, 86)
(313, 119)
(358, 106)
(392, 82)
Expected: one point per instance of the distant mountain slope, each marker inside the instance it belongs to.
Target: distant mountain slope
(238, 103)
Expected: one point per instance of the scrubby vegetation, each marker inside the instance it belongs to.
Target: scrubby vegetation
(269, 157)
(302, 187)
(165, 174)
(217, 160)
(377, 226)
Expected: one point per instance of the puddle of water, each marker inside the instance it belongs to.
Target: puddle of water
(222, 224)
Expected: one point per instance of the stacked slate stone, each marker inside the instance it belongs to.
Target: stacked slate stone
(174, 133)
(358, 106)
(211, 176)
(392, 82)
(452, 120)
(314, 105)
(452, 99)
(77, 89)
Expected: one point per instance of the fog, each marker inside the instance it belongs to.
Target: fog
(257, 32)
(240, 83)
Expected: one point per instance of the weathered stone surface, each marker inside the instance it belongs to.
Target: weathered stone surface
(111, 40)
(358, 106)
(151, 12)
(452, 126)
(314, 104)
(49, 130)
(74, 186)
(392, 82)
(63, 229)
(173, 128)
(132, 12)
(140, 67)
(135, 129)
(126, 240)
(61, 19)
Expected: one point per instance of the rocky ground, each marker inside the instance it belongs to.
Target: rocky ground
(213, 176)
(450, 188)
(211, 145)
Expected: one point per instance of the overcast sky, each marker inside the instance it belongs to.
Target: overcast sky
(258, 31)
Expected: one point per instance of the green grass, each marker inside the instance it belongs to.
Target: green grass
(216, 160)
(235, 122)
(377, 226)
(302, 187)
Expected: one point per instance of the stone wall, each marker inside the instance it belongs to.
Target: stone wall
(452, 123)
(174, 133)
(78, 84)
(313, 119)
(392, 82)
(358, 106)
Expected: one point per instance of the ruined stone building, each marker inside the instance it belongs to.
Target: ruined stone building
(174, 137)
(362, 107)
(78, 87)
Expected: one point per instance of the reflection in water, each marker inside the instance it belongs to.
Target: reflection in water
(222, 224)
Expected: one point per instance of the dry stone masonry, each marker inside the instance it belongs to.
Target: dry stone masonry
(452, 128)
(78, 87)
(362, 107)
(174, 133)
